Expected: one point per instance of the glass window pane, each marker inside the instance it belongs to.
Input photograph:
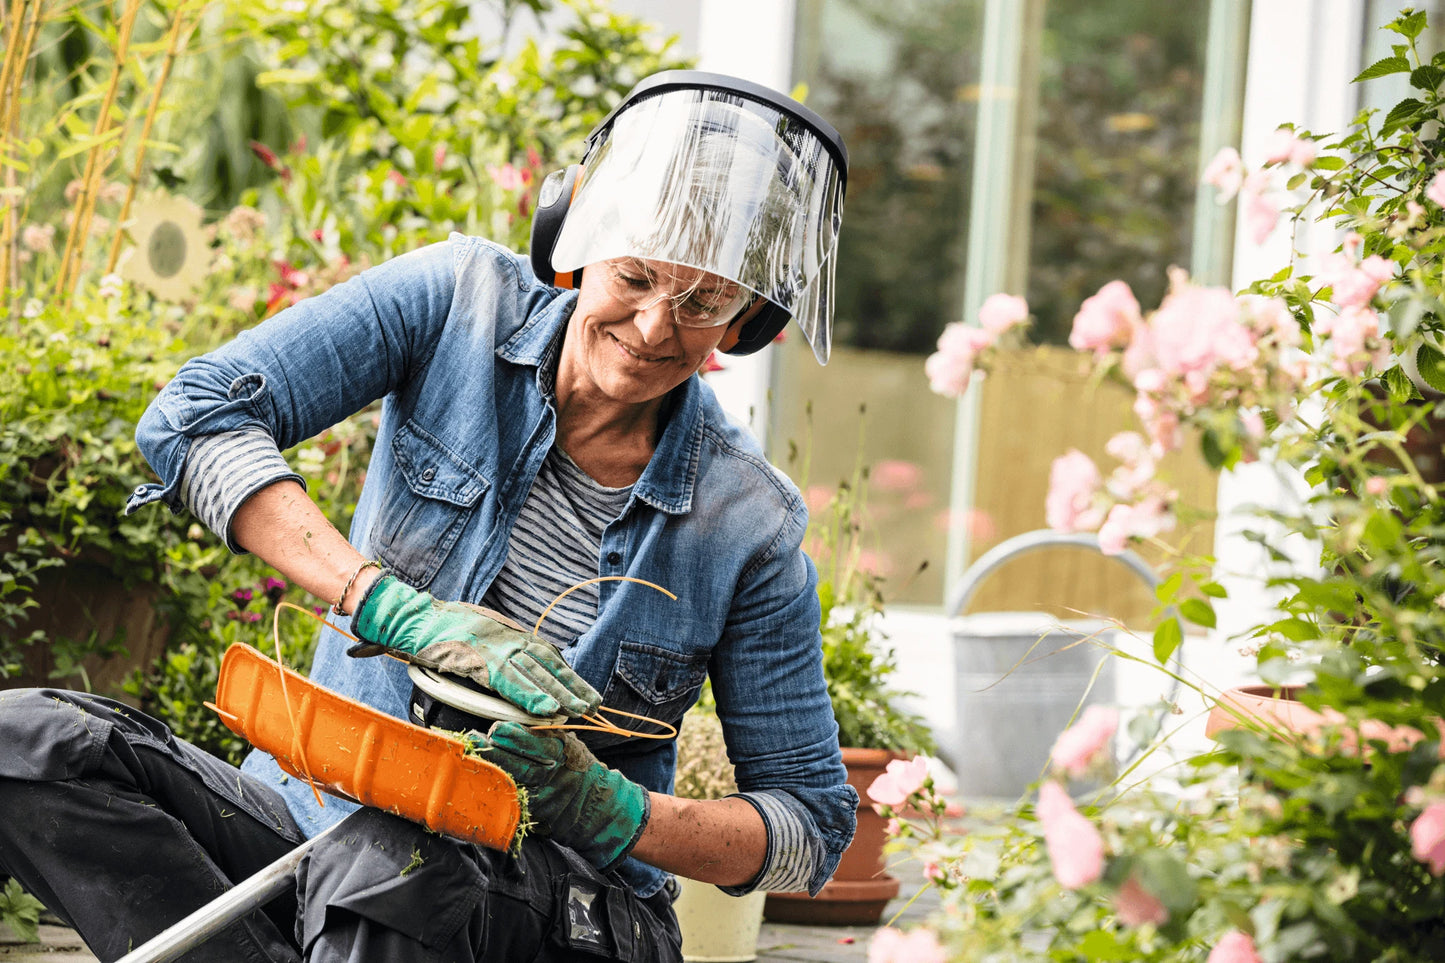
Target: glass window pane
(1116, 154)
(899, 79)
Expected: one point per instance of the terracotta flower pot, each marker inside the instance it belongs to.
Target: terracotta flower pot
(1278, 707)
(861, 888)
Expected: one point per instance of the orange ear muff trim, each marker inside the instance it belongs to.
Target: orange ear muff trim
(735, 328)
(570, 279)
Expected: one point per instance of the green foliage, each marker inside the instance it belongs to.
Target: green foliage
(856, 659)
(20, 911)
(399, 124)
(1316, 843)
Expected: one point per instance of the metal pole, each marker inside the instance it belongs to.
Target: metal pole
(251, 893)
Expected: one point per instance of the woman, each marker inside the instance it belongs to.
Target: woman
(533, 436)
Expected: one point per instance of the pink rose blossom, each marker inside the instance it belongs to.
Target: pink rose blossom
(950, 367)
(895, 475)
(1225, 173)
(1000, 312)
(1136, 906)
(1074, 480)
(1261, 207)
(1436, 190)
(1080, 744)
(1234, 947)
(1284, 145)
(1253, 424)
(932, 870)
(895, 946)
(1377, 485)
(1199, 329)
(1076, 850)
(1354, 285)
(1142, 520)
(1427, 837)
(1106, 320)
(1138, 465)
(899, 781)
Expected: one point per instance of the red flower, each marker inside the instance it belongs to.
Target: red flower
(269, 158)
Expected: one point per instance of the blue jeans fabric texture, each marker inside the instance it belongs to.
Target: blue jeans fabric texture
(453, 339)
(122, 829)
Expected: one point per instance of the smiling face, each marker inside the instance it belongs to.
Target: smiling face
(624, 341)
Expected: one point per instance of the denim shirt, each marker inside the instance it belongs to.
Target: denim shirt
(453, 338)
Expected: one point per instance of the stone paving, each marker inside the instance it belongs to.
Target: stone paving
(778, 943)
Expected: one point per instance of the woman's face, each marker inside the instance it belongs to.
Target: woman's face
(625, 340)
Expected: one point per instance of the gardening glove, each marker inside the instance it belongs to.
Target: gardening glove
(462, 640)
(571, 796)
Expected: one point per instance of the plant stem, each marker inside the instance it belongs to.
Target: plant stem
(174, 43)
(84, 210)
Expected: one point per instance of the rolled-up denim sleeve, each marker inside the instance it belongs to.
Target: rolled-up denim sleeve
(778, 720)
(303, 370)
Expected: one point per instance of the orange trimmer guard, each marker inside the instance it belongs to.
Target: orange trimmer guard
(352, 750)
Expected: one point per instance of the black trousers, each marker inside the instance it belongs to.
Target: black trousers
(121, 829)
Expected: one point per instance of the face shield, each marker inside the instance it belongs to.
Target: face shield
(721, 183)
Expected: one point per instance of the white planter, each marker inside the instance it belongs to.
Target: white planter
(716, 927)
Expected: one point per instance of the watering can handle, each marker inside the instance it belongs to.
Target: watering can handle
(1028, 542)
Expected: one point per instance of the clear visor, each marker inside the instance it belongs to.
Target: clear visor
(718, 183)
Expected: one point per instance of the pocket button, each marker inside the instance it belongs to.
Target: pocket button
(429, 474)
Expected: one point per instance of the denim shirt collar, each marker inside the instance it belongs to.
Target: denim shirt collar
(668, 482)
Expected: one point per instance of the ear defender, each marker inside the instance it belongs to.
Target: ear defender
(762, 322)
(553, 199)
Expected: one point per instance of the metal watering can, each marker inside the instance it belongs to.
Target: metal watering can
(1021, 677)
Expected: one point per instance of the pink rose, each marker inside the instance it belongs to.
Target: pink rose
(1234, 947)
(1076, 850)
(1377, 485)
(895, 946)
(1284, 145)
(1261, 208)
(1436, 190)
(1225, 173)
(1073, 482)
(507, 177)
(1078, 746)
(950, 367)
(1106, 320)
(1136, 906)
(1144, 519)
(999, 312)
(899, 781)
(1354, 285)
(1427, 837)
(895, 475)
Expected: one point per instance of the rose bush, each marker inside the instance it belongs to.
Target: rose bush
(1329, 845)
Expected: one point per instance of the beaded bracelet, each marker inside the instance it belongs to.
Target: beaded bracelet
(336, 609)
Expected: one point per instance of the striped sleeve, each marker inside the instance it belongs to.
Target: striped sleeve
(224, 470)
(794, 852)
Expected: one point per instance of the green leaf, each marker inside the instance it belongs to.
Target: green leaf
(1383, 68)
(1426, 78)
(1328, 163)
(1408, 25)
(1296, 630)
(1104, 945)
(1432, 366)
(1407, 112)
(1214, 590)
(1166, 639)
(1198, 611)
(1167, 589)
(286, 75)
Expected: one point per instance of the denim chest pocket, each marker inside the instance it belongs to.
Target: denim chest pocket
(425, 506)
(654, 682)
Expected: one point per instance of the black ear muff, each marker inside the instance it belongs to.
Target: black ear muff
(552, 202)
(756, 329)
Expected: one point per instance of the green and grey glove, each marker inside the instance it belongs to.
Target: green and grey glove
(460, 639)
(571, 796)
